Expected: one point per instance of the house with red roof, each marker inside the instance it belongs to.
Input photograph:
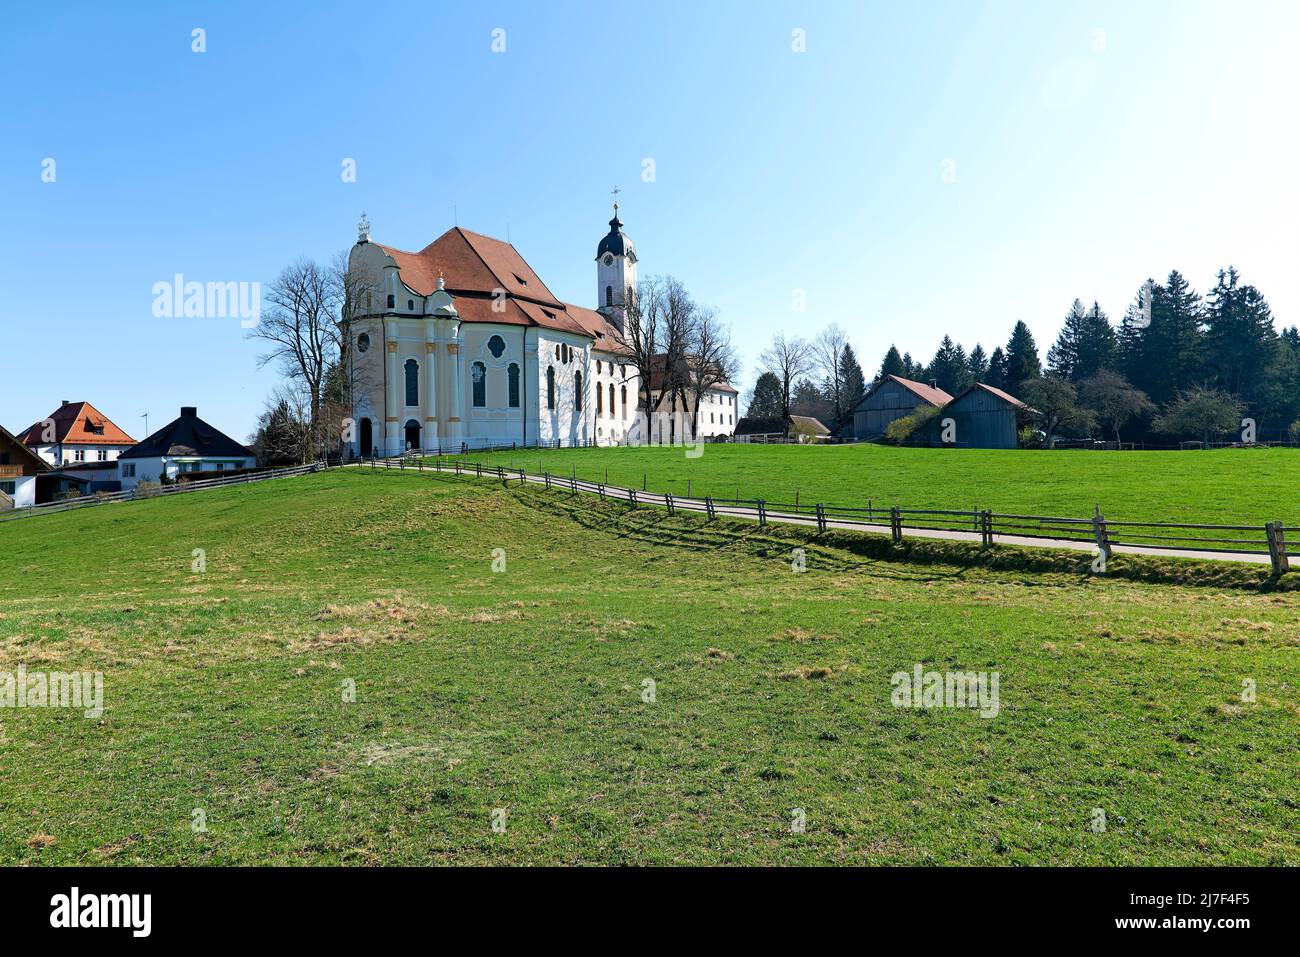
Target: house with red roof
(76, 433)
(463, 342)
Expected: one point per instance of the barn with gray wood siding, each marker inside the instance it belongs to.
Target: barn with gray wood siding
(893, 397)
(983, 418)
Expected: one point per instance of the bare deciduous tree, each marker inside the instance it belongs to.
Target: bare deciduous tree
(300, 322)
(827, 353)
(712, 358)
(788, 358)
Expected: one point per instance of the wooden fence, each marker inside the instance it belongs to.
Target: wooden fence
(104, 498)
(975, 524)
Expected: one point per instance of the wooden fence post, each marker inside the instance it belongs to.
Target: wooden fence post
(896, 525)
(573, 484)
(1101, 533)
(1277, 547)
(631, 496)
(522, 478)
(986, 528)
(668, 500)
(708, 507)
(762, 512)
(601, 489)
(547, 476)
(821, 517)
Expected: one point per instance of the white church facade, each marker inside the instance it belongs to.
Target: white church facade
(462, 343)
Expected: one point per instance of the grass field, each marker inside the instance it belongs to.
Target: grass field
(523, 690)
(1226, 486)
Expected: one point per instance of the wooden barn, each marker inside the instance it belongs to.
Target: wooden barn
(982, 418)
(893, 397)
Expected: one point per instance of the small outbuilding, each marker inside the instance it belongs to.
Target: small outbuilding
(892, 398)
(982, 417)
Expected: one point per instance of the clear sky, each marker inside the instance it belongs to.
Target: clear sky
(1088, 146)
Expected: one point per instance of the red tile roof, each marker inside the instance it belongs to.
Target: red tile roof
(929, 393)
(74, 423)
(474, 267)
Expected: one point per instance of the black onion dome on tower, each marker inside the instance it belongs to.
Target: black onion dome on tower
(616, 241)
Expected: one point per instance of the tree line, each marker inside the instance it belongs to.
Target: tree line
(1178, 366)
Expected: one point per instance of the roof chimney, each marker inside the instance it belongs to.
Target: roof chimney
(65, 402)
(189, 411)
(934, 383)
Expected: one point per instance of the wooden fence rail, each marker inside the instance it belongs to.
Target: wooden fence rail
(975, 524)
(85, 501)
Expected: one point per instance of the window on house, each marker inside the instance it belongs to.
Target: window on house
(128, 471)
(79, 455)
(609, 295)
(577, 392)
(512, 375)
(550, 387)
(478, 375)
(520, 279)
(496, 345)
(410, 305)
(392, 301)
(412, 382)
(102, 455)
(9, 488)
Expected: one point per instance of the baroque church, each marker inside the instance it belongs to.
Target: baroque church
(462, 343)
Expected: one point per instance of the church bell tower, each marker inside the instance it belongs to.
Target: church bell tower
(615, 272)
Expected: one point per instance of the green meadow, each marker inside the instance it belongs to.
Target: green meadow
(1223, 486)
(374, 668)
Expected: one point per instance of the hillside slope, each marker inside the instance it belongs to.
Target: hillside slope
(524, 691)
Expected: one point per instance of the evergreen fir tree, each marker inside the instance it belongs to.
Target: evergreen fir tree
(894, 364)
(1063, 356)
(768, 399)
(854, 384)
(1239, 336)
(1022, 362)
(996, 375)
(978, 363)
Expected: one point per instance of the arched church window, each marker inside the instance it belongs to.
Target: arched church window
(600, 404)
(412, 382)
(577, 392)
(392, 301)
(478, 375)
(550, 386)
(512, 375)
(363, 342)
(410, 305)
(557, 352)
(496, 345)
(609, 295)
(625, 402)
(611, 400)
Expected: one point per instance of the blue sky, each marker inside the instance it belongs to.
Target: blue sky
(1093, 145)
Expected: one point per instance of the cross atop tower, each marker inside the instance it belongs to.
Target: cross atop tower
(614, 192)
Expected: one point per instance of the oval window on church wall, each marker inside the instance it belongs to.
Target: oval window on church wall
(496, 345)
